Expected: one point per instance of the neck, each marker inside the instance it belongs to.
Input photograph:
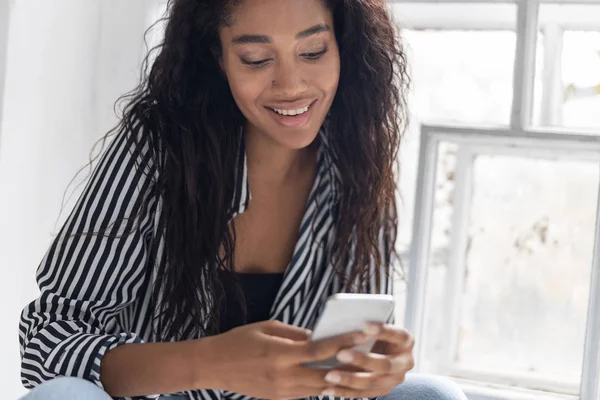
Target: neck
(272, 162)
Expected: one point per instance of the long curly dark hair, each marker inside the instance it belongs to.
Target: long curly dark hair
(184, 110)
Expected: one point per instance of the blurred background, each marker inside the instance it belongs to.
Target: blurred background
(499, 175)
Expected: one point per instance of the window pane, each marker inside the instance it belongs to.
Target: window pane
(459, 74)
(568, 75)
(528, 264)
(581, 79)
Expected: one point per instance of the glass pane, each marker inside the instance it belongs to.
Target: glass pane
(528, 264)
(568, 78)
(459, 74)
(528, 259)
(436, 296)
(581, 79)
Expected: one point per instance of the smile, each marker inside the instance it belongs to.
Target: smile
(295, 117)
(298, 111)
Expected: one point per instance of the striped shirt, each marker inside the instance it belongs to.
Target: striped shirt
(94, 290)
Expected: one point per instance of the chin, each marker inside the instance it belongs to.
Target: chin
(294, 139)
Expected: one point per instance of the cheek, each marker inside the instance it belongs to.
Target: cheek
(334, 78)
(246, 88)
(329, 76)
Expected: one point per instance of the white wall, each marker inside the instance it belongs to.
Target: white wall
(67, 62)
(4, 13)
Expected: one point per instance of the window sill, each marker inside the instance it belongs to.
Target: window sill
(485, 391)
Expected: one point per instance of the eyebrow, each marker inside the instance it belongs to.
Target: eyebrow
(313, 30)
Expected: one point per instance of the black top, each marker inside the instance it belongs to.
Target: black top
(258, 294)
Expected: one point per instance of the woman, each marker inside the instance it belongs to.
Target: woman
(250, 178)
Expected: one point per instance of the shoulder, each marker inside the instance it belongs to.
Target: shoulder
(131, 147)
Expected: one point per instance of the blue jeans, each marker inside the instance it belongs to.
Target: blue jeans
(416, 387)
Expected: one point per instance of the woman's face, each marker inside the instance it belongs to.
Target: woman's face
(282, 62)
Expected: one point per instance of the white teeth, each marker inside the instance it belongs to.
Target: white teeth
(291, 112)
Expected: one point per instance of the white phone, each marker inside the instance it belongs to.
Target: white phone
(349, 312)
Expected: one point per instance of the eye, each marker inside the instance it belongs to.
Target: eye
(256, 64)
(315, 55)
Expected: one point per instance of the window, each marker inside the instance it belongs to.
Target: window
(503, 276)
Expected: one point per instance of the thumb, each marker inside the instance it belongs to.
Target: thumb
(279, 329)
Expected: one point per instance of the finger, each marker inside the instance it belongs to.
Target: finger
(310, 378)
(326, 348)
(319, 378)
(299, 390)
(378, 363)
(399, 337)
(354, 380)
(279, 329)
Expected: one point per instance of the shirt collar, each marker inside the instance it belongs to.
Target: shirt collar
(242, 194)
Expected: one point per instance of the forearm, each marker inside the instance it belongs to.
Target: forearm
(158, 368)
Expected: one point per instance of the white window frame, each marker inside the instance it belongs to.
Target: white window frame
(517, 138)
(471, 142)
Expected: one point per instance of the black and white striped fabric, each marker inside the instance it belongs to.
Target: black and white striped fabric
(95, 289)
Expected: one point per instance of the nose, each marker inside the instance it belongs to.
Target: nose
(288, 80)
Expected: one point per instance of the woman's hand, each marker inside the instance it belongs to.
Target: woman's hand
(380, 371)
(264, 360)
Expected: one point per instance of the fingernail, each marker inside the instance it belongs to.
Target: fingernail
(360, 339)
(333, 377)
(371, 329)
(328, 392)
(345, 356)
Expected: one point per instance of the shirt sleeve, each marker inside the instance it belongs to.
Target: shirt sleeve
(92, 271)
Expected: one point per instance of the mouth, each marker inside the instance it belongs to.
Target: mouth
(292, 117)
(291, 113)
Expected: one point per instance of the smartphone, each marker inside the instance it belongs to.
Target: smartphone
(349, 312)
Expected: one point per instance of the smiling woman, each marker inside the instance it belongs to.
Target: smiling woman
(249, 179)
